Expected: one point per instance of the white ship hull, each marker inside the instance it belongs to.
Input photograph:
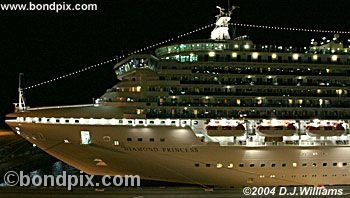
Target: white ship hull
(183, 157)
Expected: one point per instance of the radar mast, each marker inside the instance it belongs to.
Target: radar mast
(20, 106)
(221, 30)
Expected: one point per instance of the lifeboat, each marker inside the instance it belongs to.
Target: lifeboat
(238, 130)
(330, 130)
(276, 131)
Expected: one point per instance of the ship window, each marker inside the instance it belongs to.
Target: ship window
(304, 164)
(251, 165)
(57, 120)
(284, 165)
(76, 121)
(314, 164)
(241, 165)
(273, 165)
(196, 164)
(140, 122)
(39, 119)
(162, 139)
(345, 164)
(85, 137)
(262, 165)
(151, 122)
(129, 122)
(324, 164)
(335, 163)
(128, 139)
(139, 139)
(151, 139)
(207, 165)
(162, 122)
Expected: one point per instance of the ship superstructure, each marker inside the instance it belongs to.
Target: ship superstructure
(220, 111)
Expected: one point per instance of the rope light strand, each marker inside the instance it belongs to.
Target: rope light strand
(181, 36)
(290, 28)
(117, 58)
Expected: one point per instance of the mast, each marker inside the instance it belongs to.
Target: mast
(221, 30)
(20, 106)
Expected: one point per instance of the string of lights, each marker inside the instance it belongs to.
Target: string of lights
(291, 28)
(117, 58)
(178, 37)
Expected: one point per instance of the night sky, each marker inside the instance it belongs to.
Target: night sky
(45, 44)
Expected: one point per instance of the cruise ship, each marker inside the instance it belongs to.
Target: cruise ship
(214, 112)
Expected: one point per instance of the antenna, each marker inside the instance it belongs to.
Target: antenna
(235, 22)
(20, 106)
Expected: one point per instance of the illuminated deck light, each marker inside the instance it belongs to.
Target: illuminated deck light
(334, 58)
(211, 54)
(295, 56)
(255, 55)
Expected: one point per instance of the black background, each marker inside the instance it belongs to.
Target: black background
(45, 44)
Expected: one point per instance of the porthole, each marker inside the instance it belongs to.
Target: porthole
(106, 138)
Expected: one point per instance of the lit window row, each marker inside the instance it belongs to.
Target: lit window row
(274, 165)
(129, 139)
(102, 121)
